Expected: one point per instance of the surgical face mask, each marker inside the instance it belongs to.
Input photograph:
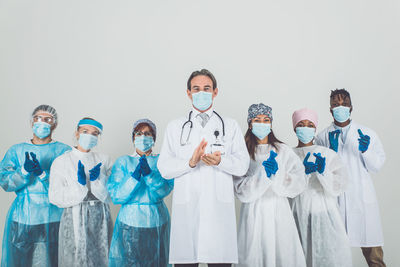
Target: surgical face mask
(202, 100)
(341, 113)
(144, 143)
(261, 130)
(87, 141)
(305, 134)
(41, 129)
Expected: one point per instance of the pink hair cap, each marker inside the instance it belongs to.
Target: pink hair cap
(304, 114)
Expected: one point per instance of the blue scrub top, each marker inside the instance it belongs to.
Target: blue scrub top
(142, 201)
(31, 206)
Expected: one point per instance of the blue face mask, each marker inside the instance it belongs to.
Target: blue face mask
(202, 100)
(305, 134)
(260, 130)
(41, 129)
(87, 141)
(341, 113)
(144, 143)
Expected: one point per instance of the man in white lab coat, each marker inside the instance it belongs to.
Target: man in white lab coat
(362, 152)
(202, 151)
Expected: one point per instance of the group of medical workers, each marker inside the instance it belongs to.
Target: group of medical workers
(302, 206)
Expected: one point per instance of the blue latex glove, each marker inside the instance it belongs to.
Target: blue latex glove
(363, 141)
(270, 165)
(137, 173)
(320, 162)
(310, 167)
(94, 173)
(81, 173)
(37, 170)
(334, 140)
(29, 165)
(144, 166)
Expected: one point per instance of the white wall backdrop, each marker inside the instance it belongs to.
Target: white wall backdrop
(118, 61)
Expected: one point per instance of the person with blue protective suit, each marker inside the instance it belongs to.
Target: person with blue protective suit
(267, 234)
(321, 229)
(361, 150)
(141, 232)
(31, 230)
(78, 184)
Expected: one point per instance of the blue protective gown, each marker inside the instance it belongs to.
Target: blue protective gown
(141, 232)
(31, 231)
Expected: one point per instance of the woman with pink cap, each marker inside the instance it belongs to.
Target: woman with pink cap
(320, 227)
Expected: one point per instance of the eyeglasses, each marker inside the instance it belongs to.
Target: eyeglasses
(139, 133)
(46, 119)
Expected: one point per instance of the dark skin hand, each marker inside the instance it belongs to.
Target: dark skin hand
(339, 100)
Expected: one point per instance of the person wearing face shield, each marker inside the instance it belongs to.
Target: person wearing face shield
(141, 232)
(321, 229)
(78, 184)
(202, 151)
(361, 150)
(31, 230)
(267, 234)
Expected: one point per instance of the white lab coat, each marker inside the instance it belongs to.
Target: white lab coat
(65, 190)
(203, 221)
(358, 205)
(267, 234)
(321, 229)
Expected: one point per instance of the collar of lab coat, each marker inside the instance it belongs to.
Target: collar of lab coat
(80, 154)
(343, 129)
(208, 112)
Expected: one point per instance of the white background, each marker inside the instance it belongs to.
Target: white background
(118, 61)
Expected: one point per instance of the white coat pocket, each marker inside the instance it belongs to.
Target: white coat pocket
(224, 187)
(368, 191)
(181, 190)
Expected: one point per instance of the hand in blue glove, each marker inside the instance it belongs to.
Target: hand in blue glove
(137, 173)
(81, 173)
(320, 162)
(310, 167)
(270, 165)
(363, 141)
(37, 170)
(144, 166)
(94, 172)
(334, 140)
(29, 165)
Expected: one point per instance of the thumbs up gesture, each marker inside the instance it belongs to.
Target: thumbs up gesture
(363, 141)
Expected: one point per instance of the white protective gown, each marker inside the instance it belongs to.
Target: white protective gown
(203, 221)
(321, 229)
(267, 231)
(358, 205)
(86, 225)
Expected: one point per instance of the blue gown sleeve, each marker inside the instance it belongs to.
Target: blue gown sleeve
(158, 186)
(121, 185)
(12, 176)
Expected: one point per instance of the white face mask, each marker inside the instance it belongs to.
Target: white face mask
(202, 100)
(341, 113)
(87, 141)
(305, 134)
(261, 130)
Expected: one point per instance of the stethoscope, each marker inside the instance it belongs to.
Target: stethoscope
(189, 121)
